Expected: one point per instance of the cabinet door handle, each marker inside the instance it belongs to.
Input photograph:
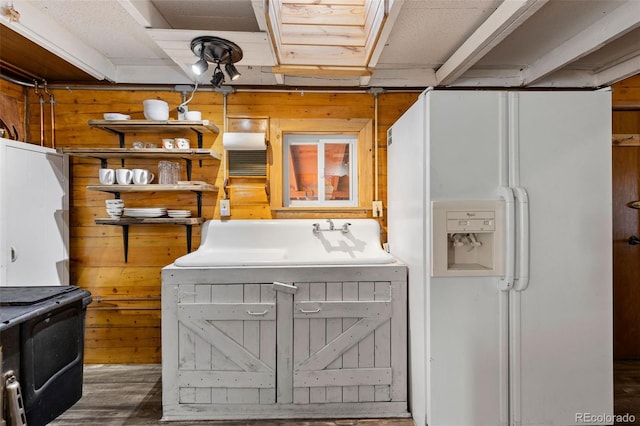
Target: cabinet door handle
(257, 314)
(14, 255)
(309, 311)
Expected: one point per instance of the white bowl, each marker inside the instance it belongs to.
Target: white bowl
(155, 109)
(116, 116)
(193, 115)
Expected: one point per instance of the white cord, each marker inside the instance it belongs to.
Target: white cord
(191, 97)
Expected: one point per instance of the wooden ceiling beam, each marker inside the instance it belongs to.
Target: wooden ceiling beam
(322, 70)
(322, 15)
(326, 55)
(323, 35)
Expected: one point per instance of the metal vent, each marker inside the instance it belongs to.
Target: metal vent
(247, 163)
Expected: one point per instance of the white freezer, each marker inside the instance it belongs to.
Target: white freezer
(34, 215)
(536, 354)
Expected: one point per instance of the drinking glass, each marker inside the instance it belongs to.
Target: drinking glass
(176, 173)
(164, 173)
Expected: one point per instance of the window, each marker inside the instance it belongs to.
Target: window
(320, 170)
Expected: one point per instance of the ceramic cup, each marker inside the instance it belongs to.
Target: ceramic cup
(107, 176)
(168, 143)
(193, 115)
(182, 143)
(124, 176)
(142, 176)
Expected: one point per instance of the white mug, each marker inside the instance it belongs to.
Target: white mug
(124, 176)
(193, 115)
(182, 143)
(168, 143)
(107, 176)
(142, 176)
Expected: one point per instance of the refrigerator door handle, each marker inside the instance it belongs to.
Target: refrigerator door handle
(506, 283)
(522, 198)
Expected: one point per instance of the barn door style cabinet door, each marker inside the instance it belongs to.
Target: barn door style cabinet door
(292, 348)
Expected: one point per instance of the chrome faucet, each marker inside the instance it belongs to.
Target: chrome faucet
(344, 228)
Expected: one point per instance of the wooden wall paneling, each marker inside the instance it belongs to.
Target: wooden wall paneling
(13, 108)
(116, 334)
(626, 93)
(626, 258)
(626, 222)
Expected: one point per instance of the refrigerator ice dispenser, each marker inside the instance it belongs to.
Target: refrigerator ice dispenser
(468, 238)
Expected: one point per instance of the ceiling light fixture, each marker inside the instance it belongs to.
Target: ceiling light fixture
(201, 66)
(218, 77)
(219, 51)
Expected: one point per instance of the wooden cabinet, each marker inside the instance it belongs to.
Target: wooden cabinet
(282, 342)
(123, 127)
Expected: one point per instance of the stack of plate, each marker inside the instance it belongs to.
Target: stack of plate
(145, 212)
(179, 213)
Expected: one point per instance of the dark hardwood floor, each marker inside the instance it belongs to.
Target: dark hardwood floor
(132, 395)
(626, 380)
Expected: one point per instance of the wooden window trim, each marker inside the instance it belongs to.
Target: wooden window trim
(363, 127)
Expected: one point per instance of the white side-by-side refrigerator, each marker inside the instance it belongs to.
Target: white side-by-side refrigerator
(499, 202)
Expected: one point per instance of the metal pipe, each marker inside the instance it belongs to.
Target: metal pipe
(35, 89)
(228, 89)
(52, 102)
(17, 70)
(225, 178)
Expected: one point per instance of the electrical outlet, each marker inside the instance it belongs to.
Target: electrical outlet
(377, 209)
(225, 208)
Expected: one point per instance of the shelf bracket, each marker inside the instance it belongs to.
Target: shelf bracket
(188, 230)
(199, 202)
(188, 164)
(125, 241)
(199, 136)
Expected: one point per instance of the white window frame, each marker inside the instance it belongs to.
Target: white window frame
(320, 141)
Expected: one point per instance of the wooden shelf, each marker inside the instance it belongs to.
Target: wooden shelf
(153, 188)
(152, 126)
(151, 221)
(105, 153)
(122, 127)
